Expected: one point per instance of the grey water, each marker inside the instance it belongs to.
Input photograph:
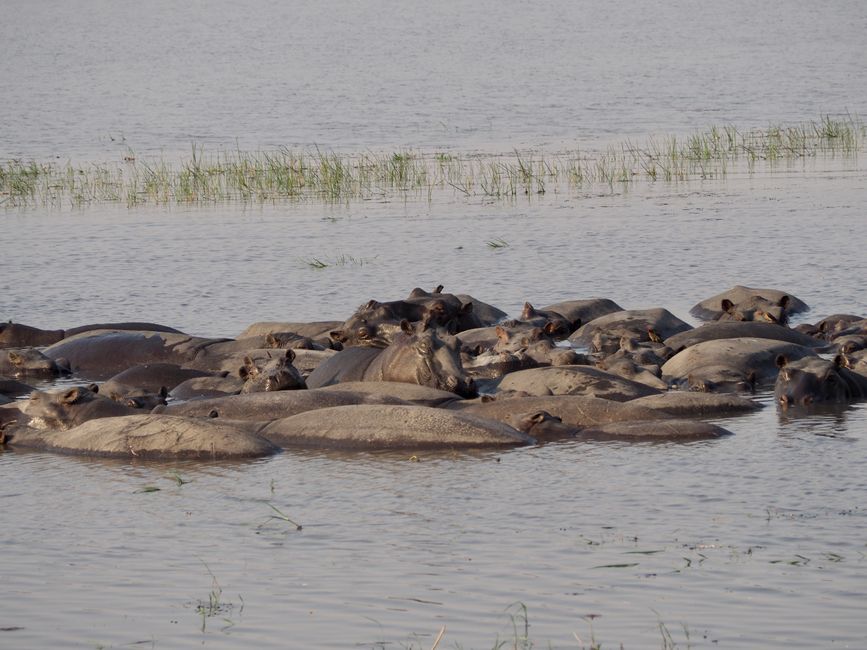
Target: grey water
(756, 540)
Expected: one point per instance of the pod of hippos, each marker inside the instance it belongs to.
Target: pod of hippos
(432, 371)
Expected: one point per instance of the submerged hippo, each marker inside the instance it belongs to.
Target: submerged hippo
(745, 303)
(277, 373)
(739, 329)
(740, 365)
(28, 362)
(368, 426)
(638, 324)
(417, 356)
(63, 409)
(16, 335)
(810, 380)
(149, 437)
(574, 380)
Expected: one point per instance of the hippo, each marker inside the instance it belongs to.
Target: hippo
(209, 386)
(551, 323)
(698, 405)
(628, 369)
(267, 406)
(739, 329)
(641, 324)
(149, 437)
(149, 377)
(398, 390)
(722, 365)
(583, 311)
(315, 330)
(810, 380)
(577, 411)
(656, 430)
(277, 373)
(391, 426)
(417, 356)
(63, 409)
(100, 354)
(743, 303)
(29, 362)
(14, 388)
(574, 380)
(16, 335)
(541, 425)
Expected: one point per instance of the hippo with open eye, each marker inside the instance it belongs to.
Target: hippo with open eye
(810, 380)
(277, 373)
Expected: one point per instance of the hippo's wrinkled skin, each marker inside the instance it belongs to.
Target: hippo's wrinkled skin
(277, 373)
(574, 380)
(642, 325)
(16, 335)
(811, 380)
(417, 356)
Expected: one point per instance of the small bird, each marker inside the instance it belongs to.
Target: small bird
(653, 335)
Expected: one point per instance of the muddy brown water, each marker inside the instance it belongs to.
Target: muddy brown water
(756, 540)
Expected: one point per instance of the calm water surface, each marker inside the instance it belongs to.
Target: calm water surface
(757, 540)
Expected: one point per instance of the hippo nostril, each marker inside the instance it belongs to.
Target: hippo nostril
(808, 399)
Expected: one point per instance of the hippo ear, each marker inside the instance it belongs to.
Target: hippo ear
(270, 341)
(290, 355)
(550, 328)
(71, 396)
(528, 312)
(337, 336)
(15, 358)
(371, 304)
(406, 327)
(243, 372)
(839, 361)
(502, 334)
(164, 392)
(784, 302)
(781, 360)
(439, 289)
(418, 292)
(539, 416)
(93, 388)
(727, 305)
(133, 403)
(213, 413)
(467, 308)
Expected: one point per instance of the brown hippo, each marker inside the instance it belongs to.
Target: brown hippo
(29, 362)
(739, 329)
(583, 311)
(100, 354)
(639, 324)
(417, 356)
(721, 365)
(16, 335)
(149, 377)
(316, 330)
(378, 426)
(688, 404)
(745, 303)
(277, 373)
(63, 409)
(574, 380)
(267, 406)
(656, 430)
(810, 380)
(149, 437)
(204, 387)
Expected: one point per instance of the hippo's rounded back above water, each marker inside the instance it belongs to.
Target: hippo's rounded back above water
(743, 303)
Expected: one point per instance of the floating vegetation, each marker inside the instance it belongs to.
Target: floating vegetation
(498, 243)
(286, 174)
(340, 260)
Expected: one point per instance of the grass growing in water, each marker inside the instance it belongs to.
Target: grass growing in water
(315, 175)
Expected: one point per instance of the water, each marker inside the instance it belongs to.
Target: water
(756, 540)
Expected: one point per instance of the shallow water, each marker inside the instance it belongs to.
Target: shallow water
(756, 540)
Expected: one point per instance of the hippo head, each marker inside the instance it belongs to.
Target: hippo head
(421, 356)
(721, 379)
(541, 425)
(275, 374)
(810, 380)
(756, 308)
(58, 409)
(20, 362)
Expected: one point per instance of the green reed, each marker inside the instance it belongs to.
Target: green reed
(322, 176)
